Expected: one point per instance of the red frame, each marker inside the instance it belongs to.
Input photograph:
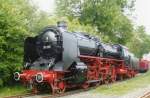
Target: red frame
(100, 70)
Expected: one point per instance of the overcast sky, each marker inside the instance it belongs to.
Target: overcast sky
(141, 16)
(142, 13)
(45, 5)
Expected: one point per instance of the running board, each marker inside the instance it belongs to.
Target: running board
(91, 81)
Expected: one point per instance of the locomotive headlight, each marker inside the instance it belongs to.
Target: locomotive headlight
(39, 77)
(17, 76)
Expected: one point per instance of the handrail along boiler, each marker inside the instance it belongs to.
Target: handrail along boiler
(60, 59)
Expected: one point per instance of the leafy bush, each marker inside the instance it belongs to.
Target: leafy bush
(18, 19)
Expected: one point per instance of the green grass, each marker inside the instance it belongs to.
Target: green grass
(124, 87)
(10, 91)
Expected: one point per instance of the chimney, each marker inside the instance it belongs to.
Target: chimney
(62, 25)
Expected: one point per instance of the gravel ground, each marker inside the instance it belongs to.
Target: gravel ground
(89, 94)
(135, 94)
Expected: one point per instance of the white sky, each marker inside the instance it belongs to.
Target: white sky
(142, 12)
(45, 5)
(141, 16)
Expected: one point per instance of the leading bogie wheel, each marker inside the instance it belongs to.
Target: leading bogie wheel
(85, 85)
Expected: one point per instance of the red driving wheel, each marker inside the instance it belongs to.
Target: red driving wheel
(85, 85)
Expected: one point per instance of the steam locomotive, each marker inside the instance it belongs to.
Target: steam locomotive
(61, 59)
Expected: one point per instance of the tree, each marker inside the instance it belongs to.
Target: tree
(139, 44)
(108, 16)
(18, 19)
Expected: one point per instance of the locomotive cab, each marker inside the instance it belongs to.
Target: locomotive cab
(130, 60)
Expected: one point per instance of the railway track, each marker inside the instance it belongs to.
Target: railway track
(20, 96)
(29, 95)
(147, 95)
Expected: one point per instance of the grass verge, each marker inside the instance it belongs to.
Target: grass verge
(10, 91)
(121, 88)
